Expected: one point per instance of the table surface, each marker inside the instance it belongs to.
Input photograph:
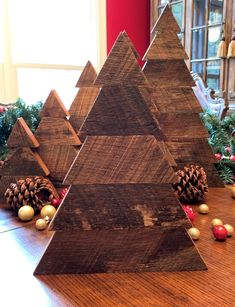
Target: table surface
(21, 247)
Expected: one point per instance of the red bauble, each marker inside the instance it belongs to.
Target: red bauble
(189, 212)
(55, 202)
(2, 109)
(220, 232)
(218, 156)
(232, 158)
(228, 149)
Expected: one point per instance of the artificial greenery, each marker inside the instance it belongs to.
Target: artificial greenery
(30, 113)
(222, 141)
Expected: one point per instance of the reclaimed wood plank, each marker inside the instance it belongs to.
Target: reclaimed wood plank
(54, 107)
(88, 76)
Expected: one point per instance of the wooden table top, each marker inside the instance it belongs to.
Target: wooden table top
(21, 247)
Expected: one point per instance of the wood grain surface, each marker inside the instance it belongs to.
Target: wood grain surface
(56, 131)
(168, 73)
(130, 43)
(89, 207)
(24, 162)
(54, 107)
(22, 248)
(58, 159)
(22, 136)
(121, 66)
(88, 76)
(165, 46)
(121, 159)
(82, 105)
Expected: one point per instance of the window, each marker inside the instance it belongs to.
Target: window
(47, 44)
(206, 34)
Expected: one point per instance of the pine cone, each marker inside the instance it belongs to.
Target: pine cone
(192, 184)
(31, 191)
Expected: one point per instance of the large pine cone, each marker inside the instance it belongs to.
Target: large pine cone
(192, 184)
(31, 191)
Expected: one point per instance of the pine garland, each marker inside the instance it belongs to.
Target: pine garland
(222, 141)
(8, 118)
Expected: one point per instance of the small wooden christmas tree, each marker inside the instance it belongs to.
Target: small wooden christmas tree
(120, 213)
(23, 159)
(187, 138)
(85, 97)
(59, 142)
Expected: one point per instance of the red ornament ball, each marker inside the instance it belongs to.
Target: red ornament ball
(220, 232)
(228, 149)
(232, 157)
(2, 109)
(55, 202)
(218, 156)
(189, 212)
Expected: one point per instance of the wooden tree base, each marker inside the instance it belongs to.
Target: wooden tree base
(124, 250)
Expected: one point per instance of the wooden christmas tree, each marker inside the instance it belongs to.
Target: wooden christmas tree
(23, 159)
(179, 118)
(120, 213)
(85, 97)
(58, 140)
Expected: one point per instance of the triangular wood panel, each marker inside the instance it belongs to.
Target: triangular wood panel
(176, 99)
(56, 131)
(168, 73)
(58, 159)
(121, 110)
(186, 126)
(54, 107)
(88, 76)
(121, 66)
(166, 22)
(165, 46)
(22, 136)
(121, 160)
(128, 40)
(126, 250)
(82, 105)
(24, 162)
(88, 207)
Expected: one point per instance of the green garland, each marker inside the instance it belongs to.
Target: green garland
(222, 142)
(8, 118)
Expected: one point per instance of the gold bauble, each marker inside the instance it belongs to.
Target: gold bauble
(26, 213)
(216, 222)
(194, 233)
(203, 209)
(48, 210)
(41, 224)
(229, 229)
(233, 192)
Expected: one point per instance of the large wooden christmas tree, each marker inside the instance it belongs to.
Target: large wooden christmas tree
(58, 140)
(120, 213)
(179, 118)
(85, 97)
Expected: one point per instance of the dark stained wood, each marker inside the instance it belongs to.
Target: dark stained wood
(124, 250)
(130, 43)
(89, 207)
(169, 73)
(56, 131)
(165, 46)
(82, 105)
(24, 162)
(58, 159)
(186, 126)
(54, 107)
(166, 22)
(122, 160)
(176, 99)
(122, 110)
(22, 136)
(88, 76)
(121, 66)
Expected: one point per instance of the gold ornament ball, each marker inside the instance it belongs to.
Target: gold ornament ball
(26, 213)
(203, 209)
(229, 229)
(194, 233)
(41, 224)
(216, 222)
(233, 192)
(48, 210)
